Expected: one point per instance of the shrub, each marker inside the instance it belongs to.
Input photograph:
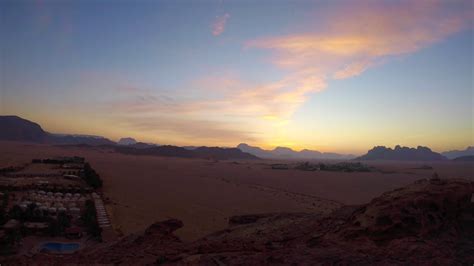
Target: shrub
(89, 218)
(91, 177)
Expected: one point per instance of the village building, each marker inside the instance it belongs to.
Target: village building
(36, 227)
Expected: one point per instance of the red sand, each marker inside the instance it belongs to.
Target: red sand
(203, 194)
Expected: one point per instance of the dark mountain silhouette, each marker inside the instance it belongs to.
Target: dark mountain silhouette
(402, 154)
(254, 150)
(174, 151)
(287, 153)
(126, 141)
(143, 145)
(190, 147)
(19, 129)
(222, 153)
(457, 153)
(467, 158)
(314, 154)
(14, 128)
(284, 152)
(78, 139)
(165, 150)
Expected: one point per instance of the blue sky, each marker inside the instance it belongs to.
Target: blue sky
(333, 76)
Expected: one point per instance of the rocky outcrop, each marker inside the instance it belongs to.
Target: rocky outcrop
(126, 141)
(428, 208)
(157, 241)
(247, 219)
(430, 222)
(402, 154)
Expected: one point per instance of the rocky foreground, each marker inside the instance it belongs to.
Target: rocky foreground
(430, 222)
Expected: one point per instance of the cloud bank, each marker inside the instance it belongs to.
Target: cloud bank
(349, 41)
(358, 37)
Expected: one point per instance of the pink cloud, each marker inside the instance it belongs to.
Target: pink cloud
(357, 37)
(218, 27)
(352, 40)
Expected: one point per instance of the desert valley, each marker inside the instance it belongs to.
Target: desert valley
(141, 188)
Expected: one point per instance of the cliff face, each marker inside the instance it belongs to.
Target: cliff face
(428, 222)
(402, 154)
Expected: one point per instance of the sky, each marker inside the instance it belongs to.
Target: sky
(340, 76)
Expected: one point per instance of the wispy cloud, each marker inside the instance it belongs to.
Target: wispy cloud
(175, 118)
(192, 130)
(352, 40)
(357, 37)
(218, 27)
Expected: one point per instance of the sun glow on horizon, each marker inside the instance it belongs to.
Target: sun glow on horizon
(339, 77)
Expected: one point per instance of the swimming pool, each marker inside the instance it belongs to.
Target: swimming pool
(56, 247)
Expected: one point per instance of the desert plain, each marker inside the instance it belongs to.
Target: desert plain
(140, 190)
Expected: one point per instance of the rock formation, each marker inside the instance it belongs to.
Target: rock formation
(402, 154)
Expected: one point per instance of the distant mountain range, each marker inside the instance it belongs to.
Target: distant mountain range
(216, 153)
(14, 128)
(467, 158)
(132, 143)
(287, 153)
(402, 154)
(469, 151)
(126, 141)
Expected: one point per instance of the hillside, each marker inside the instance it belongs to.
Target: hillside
(287, 153)
(402, 154)
(426, 223)
(14, 128)
(469, 151)
(216, 153)
(18, 129)
(78, 139)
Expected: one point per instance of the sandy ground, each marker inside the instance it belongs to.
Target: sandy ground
(203, 194)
